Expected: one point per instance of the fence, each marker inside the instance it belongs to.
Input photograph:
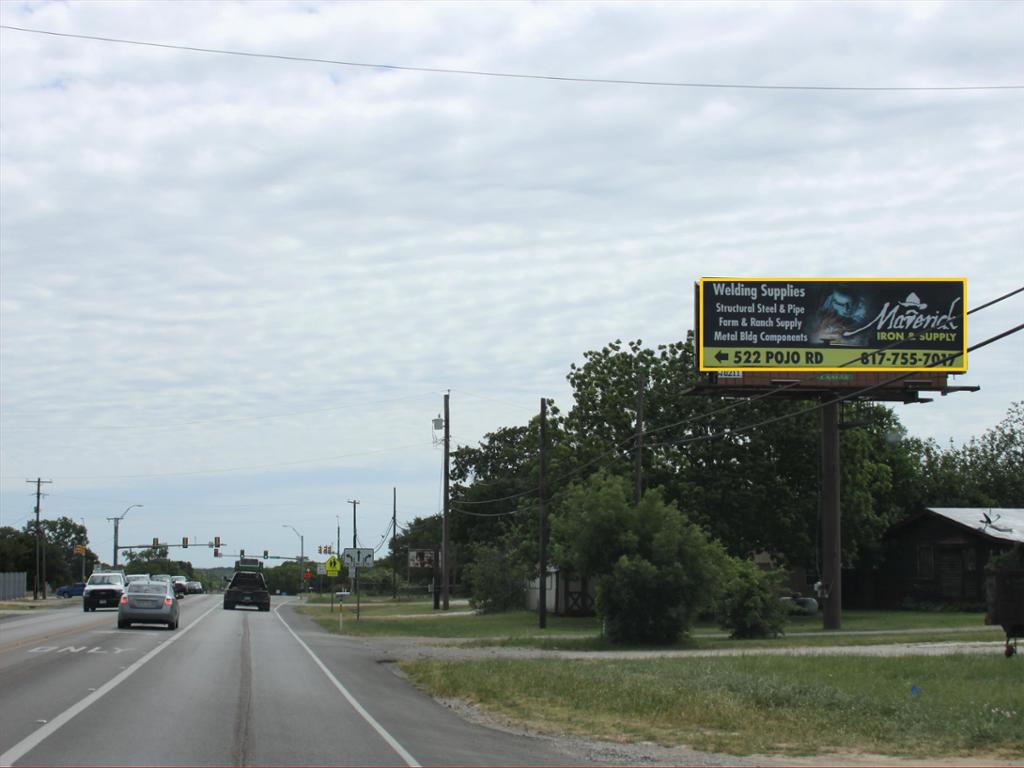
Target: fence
(13, 585)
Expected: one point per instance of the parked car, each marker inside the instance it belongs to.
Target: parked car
(71, 590)
(103, 590)
(195, 588)
(148, 602)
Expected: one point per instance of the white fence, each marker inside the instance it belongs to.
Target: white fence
(13, 585)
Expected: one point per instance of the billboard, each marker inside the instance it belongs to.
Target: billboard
(861, 324)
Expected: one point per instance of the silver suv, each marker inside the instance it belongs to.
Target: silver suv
(103, 590)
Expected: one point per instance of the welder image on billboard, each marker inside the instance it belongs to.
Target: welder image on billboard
(840, 316)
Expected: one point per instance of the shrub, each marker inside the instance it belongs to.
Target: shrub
(655, 569)
(496, 581)
(1011, 559)
(750, 606)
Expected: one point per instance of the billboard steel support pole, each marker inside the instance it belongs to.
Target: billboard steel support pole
(831, 536)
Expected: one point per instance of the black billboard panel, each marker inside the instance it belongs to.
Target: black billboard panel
(866, 324)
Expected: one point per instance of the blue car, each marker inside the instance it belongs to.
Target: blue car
(72, 590)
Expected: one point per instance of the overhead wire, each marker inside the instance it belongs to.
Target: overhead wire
(577, 470)
(515, 75)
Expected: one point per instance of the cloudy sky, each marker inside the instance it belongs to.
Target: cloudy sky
(234, 289)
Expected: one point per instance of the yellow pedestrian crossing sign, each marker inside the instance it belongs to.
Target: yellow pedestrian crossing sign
(333, 566)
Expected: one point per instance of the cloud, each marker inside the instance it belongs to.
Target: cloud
(194, 242)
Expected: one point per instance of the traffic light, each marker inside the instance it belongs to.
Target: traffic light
(266, 553)
(156, 541)
(184, 542)
(241, 553)
(319, 549)
(216, 541)
(216, 553)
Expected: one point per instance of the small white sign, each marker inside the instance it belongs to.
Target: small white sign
(321, 569)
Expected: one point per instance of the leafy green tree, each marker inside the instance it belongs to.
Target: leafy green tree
(155, 560)
(497, 579)
(17, 550)
(655, 570)
(985, 472)
(750, 605)
(62, 565)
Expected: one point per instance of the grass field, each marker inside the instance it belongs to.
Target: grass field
(519, 628)
(948, 706)
(50, 603)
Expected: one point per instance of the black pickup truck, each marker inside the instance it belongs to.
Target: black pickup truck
(247, 588)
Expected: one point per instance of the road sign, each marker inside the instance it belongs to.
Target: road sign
(855, 324)
(421, 558)
(357, 557)
(332, 566)
(79, 549)
(321, 569)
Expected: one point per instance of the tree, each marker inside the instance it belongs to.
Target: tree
(18, 549)
(985, 472)
(750, 605)
(655, 570)
(497, 579)
(155, 560)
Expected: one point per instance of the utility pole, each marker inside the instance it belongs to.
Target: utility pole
(394, 554)
(354, 503)
(831, 542)
(542, 592)
(117, 523)
(444, 519)
(638, 442)
(39, 495)
(338, 550)
(355, 578)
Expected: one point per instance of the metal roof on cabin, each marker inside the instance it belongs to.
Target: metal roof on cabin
(1004, 524)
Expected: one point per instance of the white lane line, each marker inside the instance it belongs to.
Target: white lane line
(392, 742)
(34, 739)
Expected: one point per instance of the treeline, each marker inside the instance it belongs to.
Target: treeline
(745, 473)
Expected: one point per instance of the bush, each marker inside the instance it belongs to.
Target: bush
(496, 581)
(655, 570)
(641, 603)
(751, 606)
(1011, 559)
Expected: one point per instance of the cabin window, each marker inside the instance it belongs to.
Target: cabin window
(925, 562)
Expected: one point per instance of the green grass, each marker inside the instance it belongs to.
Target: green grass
(703, 642)
(418, 619)
(50, 603)
(428, 623)
(950, 706)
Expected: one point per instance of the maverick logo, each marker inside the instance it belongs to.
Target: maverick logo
(911, 315)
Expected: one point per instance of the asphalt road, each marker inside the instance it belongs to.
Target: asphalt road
(227, 688)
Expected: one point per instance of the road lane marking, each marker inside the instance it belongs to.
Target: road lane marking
(392, 742)
(49, 635)
(34, 739)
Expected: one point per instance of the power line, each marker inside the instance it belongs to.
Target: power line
(721, 433)
(513, 75)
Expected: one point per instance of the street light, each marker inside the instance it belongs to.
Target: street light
(117, 523)
(302, 552)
